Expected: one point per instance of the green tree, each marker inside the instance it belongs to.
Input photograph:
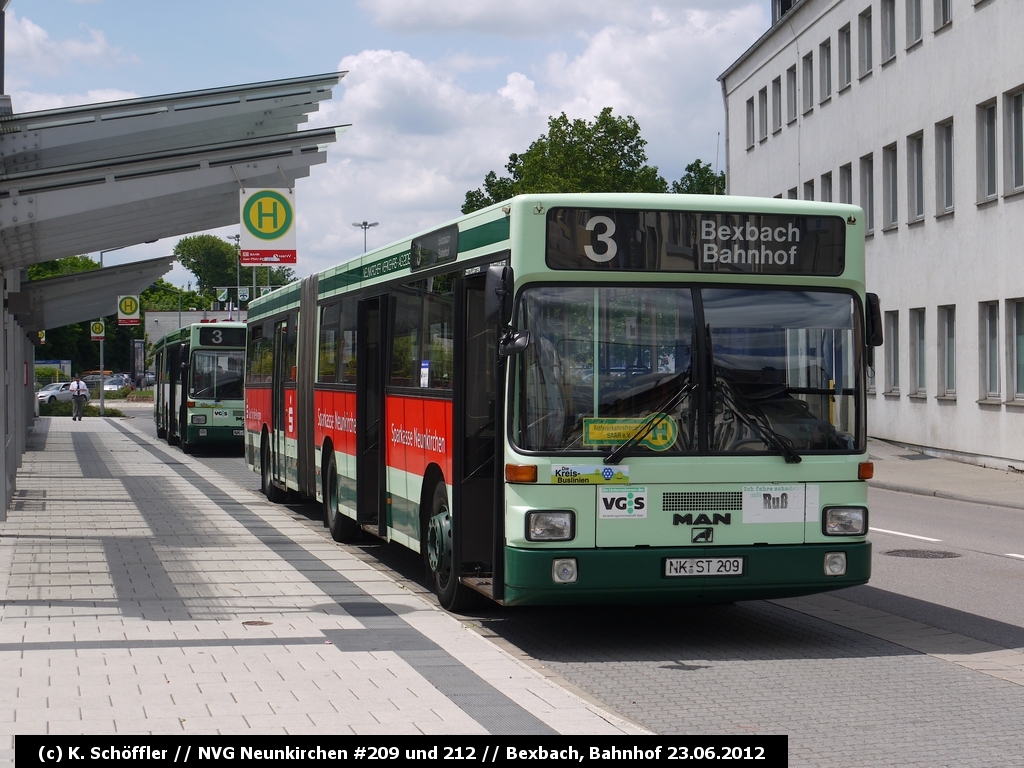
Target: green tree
(606, 155)
(58, 267)
(162, 296)
(700, 179)
(213, 261)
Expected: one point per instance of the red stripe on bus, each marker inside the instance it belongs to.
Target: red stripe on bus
(257, 408)
(334, 417)
(418, 432)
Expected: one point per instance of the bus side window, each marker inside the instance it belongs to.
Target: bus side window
(347, 343)
(327, 364)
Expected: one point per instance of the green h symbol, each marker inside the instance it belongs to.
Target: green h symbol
(262, 213)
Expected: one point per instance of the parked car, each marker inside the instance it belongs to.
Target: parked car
(56, 392)
(116, 382)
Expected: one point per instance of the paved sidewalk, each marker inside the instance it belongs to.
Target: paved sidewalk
(904, 469)
(145, 594)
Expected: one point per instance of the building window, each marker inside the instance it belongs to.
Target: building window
(808, 101)
(915, 177)
(990, 350)
(864, 33)
(890, 195)
(1016, 127)
(944, 166)
(918, 356)
(762, 107)
(825, 62)
(845, 58)
(913, 22)
(826, 187)
(943, 13)
(888, 30)
(846, 184)
(776, 104)
(867, 192)
(792, 194)
(987, 151)
(791, 94)
(750, 123)
(809, 190)
(1018, 349)
(947, 350)
(892, 352)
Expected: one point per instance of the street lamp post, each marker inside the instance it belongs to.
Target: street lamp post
(238, 267)
(365, 225)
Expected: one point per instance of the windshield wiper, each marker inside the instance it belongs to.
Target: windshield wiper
(647, 427)
(757, 421)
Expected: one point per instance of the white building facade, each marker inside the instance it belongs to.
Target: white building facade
(914, 110)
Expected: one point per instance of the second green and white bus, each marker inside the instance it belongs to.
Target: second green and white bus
(199, 396)
(585, 398)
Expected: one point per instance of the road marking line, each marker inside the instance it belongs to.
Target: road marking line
(908, 535)
(1010, 554)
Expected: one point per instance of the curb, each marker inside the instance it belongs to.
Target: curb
(942, 494)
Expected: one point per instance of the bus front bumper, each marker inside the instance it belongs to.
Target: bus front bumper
(198, 435)
(638, 575)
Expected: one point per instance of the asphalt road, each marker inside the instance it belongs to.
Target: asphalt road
(968, 570)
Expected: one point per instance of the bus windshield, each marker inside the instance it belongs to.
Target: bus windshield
(217, 374)
(777, 366)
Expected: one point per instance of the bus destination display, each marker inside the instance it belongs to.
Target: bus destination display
(690, 241)
(214, 336)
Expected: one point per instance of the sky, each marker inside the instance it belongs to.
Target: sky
(438, 92)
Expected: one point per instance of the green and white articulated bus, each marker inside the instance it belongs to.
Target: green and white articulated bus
(585, 398)
(199, 396)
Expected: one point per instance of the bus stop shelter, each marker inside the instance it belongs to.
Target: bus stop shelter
(102, 176)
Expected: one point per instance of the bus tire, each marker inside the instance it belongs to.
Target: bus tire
(343, 528)
(186, 447)
(440, 545)
(274, 494)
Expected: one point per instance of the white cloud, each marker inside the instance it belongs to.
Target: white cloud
(32, 51)
(419, 140)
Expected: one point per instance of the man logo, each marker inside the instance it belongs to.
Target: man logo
(702, 535)
(702, 519)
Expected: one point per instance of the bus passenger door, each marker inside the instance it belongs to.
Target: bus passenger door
(478, 522)
(277, 407)
(370, 378)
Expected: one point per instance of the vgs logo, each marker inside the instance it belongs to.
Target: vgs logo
(622, 502)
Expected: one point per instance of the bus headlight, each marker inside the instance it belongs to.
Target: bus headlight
(563, 570)
(550, 525)
(835, 563)
(844, 521)
(199, 418)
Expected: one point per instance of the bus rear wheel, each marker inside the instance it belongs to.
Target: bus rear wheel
(343, 528)
(440, 547)
(274, 494)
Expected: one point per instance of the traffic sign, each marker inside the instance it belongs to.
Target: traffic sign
(127, 310)
(97, 330)
(268, 227)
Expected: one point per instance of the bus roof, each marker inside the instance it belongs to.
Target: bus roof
(489, 230)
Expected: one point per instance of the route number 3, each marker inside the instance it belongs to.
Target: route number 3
(217, 337)
(605, 238)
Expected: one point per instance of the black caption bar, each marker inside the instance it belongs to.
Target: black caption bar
(158, 751)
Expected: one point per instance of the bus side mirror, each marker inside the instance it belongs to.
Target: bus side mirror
(498, 289)
(873, 319)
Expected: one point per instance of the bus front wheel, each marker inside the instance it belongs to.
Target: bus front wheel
(452, 595)
(343, 528)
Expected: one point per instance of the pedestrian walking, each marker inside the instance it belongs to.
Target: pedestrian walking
(79, 397)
